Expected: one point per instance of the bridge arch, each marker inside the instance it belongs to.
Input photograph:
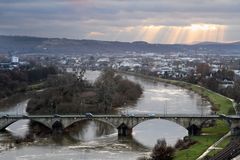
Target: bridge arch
(6, 122)
(44, 122)
(192, 125)
(158, 119)
(67, 124)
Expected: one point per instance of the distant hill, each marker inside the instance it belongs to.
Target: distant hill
(218, 43)
(208, 43)
(35, 45)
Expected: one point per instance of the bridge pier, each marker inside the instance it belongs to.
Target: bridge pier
(57, 127)
(235, 131)
(124, 130)
(233, 123)
(194, 130)
(235, 127)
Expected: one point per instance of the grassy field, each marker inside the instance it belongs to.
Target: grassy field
(209, 135)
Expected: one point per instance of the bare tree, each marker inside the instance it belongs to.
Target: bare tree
(162, 152)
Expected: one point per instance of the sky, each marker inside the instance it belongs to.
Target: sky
(153, 21)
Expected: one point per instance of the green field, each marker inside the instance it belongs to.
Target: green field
(209, 136)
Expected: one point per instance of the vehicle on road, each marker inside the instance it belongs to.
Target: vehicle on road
(25, 116)
(5, 116)
(124, 115)
(152, 115)
(131, 115)
(89, 115)
(56, 115)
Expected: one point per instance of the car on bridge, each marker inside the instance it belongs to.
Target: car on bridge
(56, 115)
(89, 115)
(131, 115)
(25, 116)
(152, 115)
(5, 116)
(127, 115)
(124, 115)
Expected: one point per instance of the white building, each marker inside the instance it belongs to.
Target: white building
(14, 59)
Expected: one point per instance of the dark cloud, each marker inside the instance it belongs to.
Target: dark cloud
(80, 18)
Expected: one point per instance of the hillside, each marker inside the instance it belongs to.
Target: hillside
(24, 44)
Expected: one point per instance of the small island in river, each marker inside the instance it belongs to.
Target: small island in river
(70, 94)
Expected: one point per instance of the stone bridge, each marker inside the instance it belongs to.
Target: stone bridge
(125, 123)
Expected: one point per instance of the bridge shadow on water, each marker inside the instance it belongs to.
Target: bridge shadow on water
(92, 134)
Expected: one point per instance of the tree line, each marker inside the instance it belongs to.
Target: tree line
(212, 80)
(17, 80)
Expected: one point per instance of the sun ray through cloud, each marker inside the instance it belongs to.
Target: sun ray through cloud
(182, 34)
(156, 22)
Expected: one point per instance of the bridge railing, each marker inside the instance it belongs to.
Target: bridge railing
(118, 116)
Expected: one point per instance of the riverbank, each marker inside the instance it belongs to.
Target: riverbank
(220, 103)
(20, 96)
(209, 136)
(12, 100)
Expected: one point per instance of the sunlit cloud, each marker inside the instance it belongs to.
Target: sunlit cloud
(204, 32)
(202, 27)
(95, 34)
(178, 34)
(165, 21)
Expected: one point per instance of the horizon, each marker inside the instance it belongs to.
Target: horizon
(157, 22)
(193, 43)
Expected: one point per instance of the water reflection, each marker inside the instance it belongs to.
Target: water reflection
(97, 140)
(19, 108)
(90, 130)
(149, 132)
(161, 98)
(19, 129)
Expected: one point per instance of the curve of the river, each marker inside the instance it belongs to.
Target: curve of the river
(94, 140)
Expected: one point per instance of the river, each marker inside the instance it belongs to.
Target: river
(95, 140)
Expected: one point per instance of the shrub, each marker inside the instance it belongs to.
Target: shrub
(184, 144)
(162, 152)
